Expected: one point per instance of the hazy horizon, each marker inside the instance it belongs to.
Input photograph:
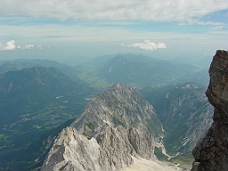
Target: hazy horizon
(75, 31)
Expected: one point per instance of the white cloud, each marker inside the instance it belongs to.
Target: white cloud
(147, 10)
(30, 46)
(8, 46)
(148, 45)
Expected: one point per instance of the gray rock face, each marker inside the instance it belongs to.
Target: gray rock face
(109, 132)
(119, 105)
(211, 153)
(142, 141)
(66, 153)
(109, 149)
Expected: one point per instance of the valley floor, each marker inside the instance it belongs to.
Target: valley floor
(141, 164)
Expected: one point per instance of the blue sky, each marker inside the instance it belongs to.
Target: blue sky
(72, 30)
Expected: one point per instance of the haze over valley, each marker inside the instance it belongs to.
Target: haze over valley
(113, 85)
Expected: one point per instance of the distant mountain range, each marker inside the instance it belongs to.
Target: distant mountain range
(20, 64)
(133, 70)
(138, 70)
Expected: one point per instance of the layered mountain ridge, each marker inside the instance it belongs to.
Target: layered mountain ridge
(21, 64)
(130, 69)
(137, 70)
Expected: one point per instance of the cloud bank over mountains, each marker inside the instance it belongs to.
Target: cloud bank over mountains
(128, 10)
(11, 45)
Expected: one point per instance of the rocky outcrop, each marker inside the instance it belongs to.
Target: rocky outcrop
(66, 153)
(211, 153)
(109, 149)
(113, 128)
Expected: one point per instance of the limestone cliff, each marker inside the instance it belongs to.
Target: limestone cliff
(211, 153)
(113, 127)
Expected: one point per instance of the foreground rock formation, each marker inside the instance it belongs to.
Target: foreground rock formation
(211, 153)
(109, 149)
(113, 128)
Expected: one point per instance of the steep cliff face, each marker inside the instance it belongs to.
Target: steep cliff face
(186, 117)
(113, 128)
(211, 153)
(184, 112)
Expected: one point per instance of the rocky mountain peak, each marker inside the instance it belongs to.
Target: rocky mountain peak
(116, 125)
(120, 105)
(121, 92)
(211, 152)
(119, 86)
